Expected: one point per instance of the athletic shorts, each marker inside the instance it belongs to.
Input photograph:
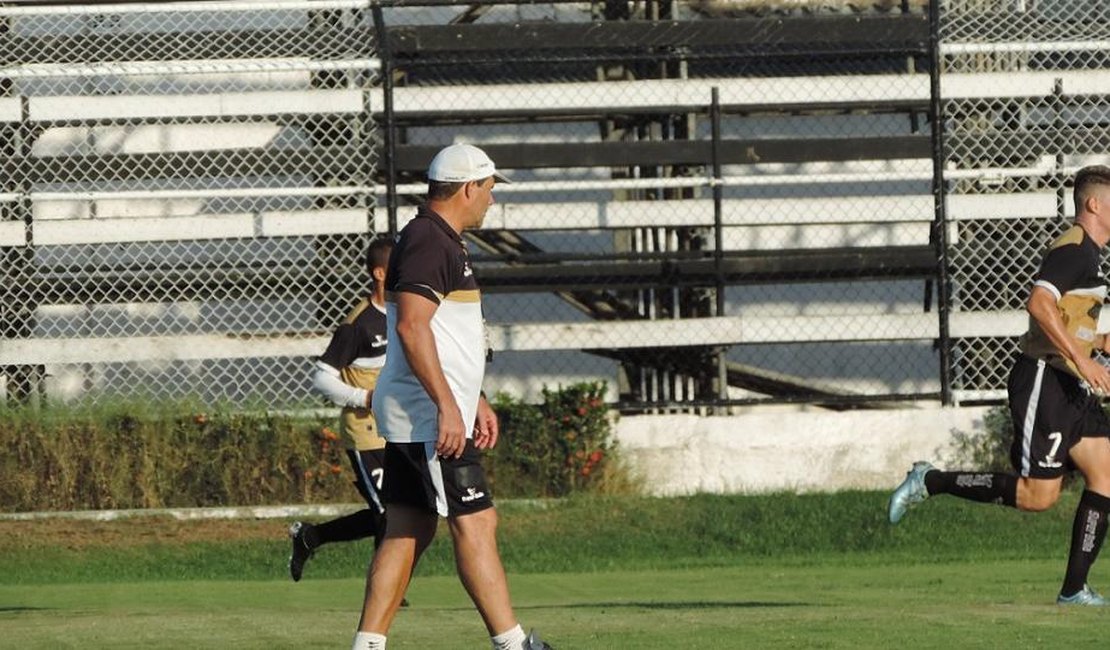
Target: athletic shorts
(1051, 411)
(419, 478)
(369, 467)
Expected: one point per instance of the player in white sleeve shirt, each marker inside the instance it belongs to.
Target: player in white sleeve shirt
(346, 374)
(431, 410)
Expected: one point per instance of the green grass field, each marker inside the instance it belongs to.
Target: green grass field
(781, 571)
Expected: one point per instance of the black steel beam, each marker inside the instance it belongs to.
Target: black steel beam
(736, 268)
(1009, 146)
(316, 161)
(99, 285)
(886, 34)
(338, 42)
(448, 115)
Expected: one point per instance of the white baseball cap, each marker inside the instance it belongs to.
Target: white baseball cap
(460, 163)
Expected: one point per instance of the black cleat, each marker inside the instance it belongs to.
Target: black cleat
(302, 551)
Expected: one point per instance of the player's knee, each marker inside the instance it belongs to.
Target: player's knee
(483, 522)
(1038, 501)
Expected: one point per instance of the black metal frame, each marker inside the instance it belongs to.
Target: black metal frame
(939, 234)
(782, 41)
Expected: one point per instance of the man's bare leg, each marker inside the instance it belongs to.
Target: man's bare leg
(480, 569)
(408, 532)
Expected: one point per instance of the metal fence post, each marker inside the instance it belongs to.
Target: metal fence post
(940, 215)
(390, 144)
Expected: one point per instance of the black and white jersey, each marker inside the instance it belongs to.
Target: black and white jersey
(356, 354)
(1070, 270)
(431, 260)
(359, 342)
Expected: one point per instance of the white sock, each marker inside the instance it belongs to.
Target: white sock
(369, 641)
(510, 640)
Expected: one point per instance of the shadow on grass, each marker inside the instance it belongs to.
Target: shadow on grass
(16, 609)
(682, 604)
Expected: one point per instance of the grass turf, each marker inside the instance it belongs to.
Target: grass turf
(763, 605)
(775, 571)
(572, 535)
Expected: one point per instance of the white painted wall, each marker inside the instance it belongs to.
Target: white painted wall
(790, 449)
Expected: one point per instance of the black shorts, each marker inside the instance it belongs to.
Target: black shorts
(369, 467)
(1051, 411)
(418, 477)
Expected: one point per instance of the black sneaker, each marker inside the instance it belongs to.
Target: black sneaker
(302, 550)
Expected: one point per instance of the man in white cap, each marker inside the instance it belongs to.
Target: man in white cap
(431, 411)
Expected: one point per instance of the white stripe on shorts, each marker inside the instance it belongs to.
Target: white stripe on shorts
(1030, 418)
(436, 472)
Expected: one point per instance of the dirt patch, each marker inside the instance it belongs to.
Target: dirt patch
(77, 535)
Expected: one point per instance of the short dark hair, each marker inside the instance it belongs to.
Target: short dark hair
(377, 254)
(1087, 178)
(442, 190)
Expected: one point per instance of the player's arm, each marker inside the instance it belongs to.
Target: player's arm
(414, 329)
(327, 383)
(1042, 307)
(326, 380)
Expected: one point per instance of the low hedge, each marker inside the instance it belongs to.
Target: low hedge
(151, 455)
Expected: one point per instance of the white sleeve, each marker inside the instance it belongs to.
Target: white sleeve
(326, 382)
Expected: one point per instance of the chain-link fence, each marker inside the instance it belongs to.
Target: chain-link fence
(712, 202)
(1026, 99)
(186, 194)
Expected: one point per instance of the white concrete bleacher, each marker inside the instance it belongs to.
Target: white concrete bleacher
(748, 220)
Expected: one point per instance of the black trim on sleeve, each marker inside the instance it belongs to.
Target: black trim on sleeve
(343, 347)
(420, 290)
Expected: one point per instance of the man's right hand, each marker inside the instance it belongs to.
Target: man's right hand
(1095, 374)
(452, 434)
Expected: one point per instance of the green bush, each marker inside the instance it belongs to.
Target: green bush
(562, 445)
(988, 450)
(150, 455)
(133, 455)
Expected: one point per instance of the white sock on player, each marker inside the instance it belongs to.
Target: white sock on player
(369, 641)
(510, 640)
